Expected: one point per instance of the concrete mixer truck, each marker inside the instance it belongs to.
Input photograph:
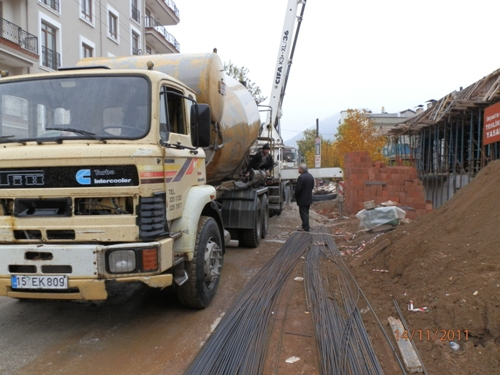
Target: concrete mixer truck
(124, 170)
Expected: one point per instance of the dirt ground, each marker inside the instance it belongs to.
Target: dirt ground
(447, 262)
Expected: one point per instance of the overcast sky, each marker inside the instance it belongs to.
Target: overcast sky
(369, 54)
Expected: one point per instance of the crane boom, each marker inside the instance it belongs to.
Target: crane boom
(288, 40)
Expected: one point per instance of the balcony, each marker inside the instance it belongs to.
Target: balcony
(18, 48)
(50, 59)
(165, 11)
(15, 37)
(158, 37)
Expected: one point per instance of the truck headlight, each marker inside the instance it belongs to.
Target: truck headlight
(122, 261)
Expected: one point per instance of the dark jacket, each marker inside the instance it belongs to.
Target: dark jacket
(304, 188)
(260, 162)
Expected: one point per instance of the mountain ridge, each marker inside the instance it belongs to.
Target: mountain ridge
(327, 129)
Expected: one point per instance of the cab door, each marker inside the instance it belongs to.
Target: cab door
(180, 161)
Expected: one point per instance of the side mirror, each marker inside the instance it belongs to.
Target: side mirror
(200, 125)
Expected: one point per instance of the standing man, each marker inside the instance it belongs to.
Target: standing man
(262, 160)
(303, 196)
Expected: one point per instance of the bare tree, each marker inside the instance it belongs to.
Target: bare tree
(241, 74)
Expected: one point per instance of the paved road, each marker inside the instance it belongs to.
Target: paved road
(136, 331)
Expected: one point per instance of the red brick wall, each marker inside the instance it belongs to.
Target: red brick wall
(366, 180)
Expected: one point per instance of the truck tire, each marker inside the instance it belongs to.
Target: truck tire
(288, 194)
(265, 215)
(204, 270)
(285, 195)
(276, 211)
(251, 237)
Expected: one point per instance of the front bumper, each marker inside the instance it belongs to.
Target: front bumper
(82, 289)
(84, 266)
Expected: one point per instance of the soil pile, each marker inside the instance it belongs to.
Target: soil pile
(447, 261)
(454, 253)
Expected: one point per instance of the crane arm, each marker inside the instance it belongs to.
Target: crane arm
(288, 41)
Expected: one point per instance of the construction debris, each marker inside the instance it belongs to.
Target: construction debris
(410, 357)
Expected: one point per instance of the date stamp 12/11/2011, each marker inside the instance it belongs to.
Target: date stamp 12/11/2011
(432, 335)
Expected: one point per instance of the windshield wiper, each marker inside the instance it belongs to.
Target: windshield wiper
(177, 146)
(7, 139)
(79, 131)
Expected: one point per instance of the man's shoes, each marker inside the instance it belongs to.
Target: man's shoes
(300, 229)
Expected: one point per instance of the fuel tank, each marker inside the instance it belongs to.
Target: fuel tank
(234, 112)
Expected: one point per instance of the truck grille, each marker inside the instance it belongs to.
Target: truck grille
(57, 269)
(32, 234)
(61, 234)
(152, 218)
(14, 268)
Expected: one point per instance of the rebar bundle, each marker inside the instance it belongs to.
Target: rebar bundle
(343, 343)
(239, 343)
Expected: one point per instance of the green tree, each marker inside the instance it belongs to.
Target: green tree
(307, 143)
(241, 74)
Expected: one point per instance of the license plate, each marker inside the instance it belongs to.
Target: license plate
(39, 282)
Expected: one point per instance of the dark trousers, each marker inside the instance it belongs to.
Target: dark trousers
(304, 216)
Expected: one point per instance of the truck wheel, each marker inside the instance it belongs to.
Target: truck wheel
(288, 195)
(204, 270)
(251, 237)
(277, 211)
(265, 215)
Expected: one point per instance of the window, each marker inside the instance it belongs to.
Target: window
(135, 44)
(86, 7)
(113, 25)
(87, 104)
(136, 13)
(171, 113)
(148, 18)
(87, 51)
(53, 4)
(50, 57)
(87, 47)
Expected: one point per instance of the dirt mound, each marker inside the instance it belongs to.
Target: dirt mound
(453, 253)
(448, 261)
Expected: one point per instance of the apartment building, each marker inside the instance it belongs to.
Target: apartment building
(43, 35)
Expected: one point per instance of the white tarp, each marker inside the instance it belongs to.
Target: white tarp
(370, 219)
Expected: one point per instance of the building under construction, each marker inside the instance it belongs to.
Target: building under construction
(453, 139)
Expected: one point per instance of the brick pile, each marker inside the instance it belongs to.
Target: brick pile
(366, 180)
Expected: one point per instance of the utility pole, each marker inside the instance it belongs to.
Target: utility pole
(317, 143)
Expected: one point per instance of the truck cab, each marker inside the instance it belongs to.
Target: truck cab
(102, 178)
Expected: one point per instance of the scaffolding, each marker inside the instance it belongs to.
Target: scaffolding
(445, 142)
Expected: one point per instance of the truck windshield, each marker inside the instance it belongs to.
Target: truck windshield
(102, 107)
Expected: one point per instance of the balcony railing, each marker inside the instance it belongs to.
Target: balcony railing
(16, 35)
(154, 24)
(172, 6)
(136, 51)
(136, 14)
(50, 59)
